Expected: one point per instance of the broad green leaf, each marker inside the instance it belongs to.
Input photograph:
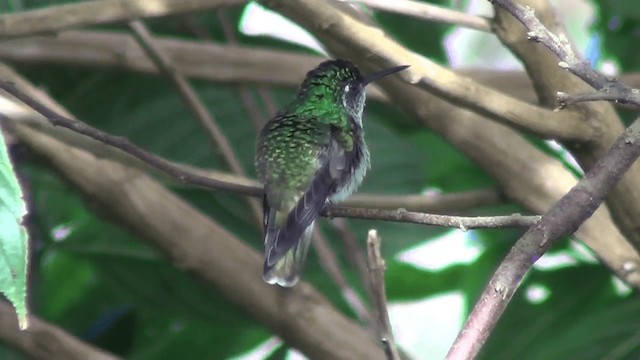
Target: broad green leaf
(582, 319)
(13, 238)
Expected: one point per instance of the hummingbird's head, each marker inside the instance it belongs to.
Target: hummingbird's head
(340, 82)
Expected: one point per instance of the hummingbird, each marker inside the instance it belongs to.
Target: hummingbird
(310, 154)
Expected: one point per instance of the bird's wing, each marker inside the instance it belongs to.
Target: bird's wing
(333, 160)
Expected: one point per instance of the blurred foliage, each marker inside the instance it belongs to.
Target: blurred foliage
(618, 25)
(101, 283)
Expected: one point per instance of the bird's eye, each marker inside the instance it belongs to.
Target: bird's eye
(347, 88)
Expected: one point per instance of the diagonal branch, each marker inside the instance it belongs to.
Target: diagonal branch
(562, 219)
(125, 145)
(188, 95)
(191, 99)
(56, 18)
(202, 247)
(249, 104)
(372, 43)
(548, 78)
(569, 60)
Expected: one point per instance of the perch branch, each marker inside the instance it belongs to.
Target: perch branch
(376, 282)
(461, 222)
(178, 173)
(562, 219)
(429, 12)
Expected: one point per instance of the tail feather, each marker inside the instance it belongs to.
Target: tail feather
(286, 270)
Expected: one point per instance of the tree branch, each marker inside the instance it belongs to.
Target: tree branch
(522, 170)
(125, 145)
(461, 222)
(562, 219)
(426, 74)
(429, 12)
(354, 253)
(42, 340)
(376, 282)
(569, 60)
(56, 18)
(178, 173)
(193, 103)
(431, 203)
(518, 172)
(200, 246)
(226, 64)
(331, 265)
(549, 78)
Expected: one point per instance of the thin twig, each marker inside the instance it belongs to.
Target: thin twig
(329, 261)
(430, 12)
(122, 143)
(354, 253)
(569, 60)
(461, 222)
(191, 99)
(376, 278)
(179, 174)
(436, 203)
(250, 105)
(616, 92)
(264, 93)
(188, 95)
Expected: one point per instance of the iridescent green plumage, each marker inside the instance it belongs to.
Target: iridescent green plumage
(311, 152)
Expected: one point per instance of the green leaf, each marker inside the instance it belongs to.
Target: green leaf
(581, 319)
(13, 238)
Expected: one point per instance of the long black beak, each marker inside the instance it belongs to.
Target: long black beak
(382, 73)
